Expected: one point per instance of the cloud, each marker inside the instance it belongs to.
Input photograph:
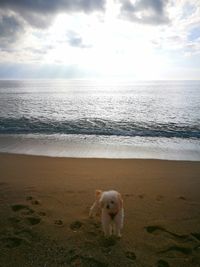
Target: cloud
(40, 13)
(16, 17)
(39, 51)
(11, 27)
(75, 40)
(144, 11)
(52, 6)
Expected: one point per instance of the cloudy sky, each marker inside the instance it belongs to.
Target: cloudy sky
(126, 39)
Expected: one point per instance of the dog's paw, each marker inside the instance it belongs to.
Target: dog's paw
(91, 215)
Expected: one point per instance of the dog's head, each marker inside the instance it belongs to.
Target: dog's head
(111, 201)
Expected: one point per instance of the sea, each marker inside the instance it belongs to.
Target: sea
(101, 118)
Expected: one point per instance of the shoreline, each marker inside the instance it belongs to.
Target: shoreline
(45, 201)
(97, 158)
(80, 146)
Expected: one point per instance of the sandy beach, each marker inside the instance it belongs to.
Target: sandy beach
(44, 205)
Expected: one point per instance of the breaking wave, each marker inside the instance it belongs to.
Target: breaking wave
(96, 126)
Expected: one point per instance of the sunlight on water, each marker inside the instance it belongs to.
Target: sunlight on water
(121, 110)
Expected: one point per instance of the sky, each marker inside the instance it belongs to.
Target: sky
(103, 39)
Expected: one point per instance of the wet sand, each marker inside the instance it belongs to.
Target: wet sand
(44, 205)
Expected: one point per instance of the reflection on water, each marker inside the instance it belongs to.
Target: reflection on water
(101, 108)
(101, 119)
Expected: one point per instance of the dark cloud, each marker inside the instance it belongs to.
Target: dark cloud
(39, 13)
(16, 15)
(36, 20)
(11, 27)
(145, 11)
(52, 6)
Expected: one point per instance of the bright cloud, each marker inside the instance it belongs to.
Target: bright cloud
(135, 39)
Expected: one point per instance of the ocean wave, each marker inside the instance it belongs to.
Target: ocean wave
(96, 126)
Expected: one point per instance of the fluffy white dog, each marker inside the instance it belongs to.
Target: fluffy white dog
(110, 204)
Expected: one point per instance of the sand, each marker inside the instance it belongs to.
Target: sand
(44, 205)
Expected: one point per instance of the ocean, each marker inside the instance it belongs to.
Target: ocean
(111, 119)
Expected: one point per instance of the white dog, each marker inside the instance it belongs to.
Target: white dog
(110, 204)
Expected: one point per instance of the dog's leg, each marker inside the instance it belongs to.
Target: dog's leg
(116, 229)
(93, 210)
(113, 229)
(105, 220)
(117, 232)
(106, 229)
(118, 223)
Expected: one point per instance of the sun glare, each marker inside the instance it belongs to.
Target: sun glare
(113, 47)
(137, 39)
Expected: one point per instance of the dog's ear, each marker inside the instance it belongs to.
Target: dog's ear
(98, 194)
(120, 200)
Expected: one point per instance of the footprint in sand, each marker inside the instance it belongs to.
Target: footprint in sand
(107, 242)
(42, 213)
(159, 198)
(130, 255)
(154, 228)
(128, 195)
(33, 220)
(33, 200)
(14, 220)
(182, 198)
(196, 235)
(58, 222)
(18, 207)
(106, 251)
(29, 198)
(180, 248)
(78, 260)
(91, 233)
(3, 184)
(25, 209)
(17, 236)
(93, 228)
(76, 225)
(96, 225)
(162, 263)
(183, 250)
(141, 196)
(81, 192)
(25, 233)
(12, 241)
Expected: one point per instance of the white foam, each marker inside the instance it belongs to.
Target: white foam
(101, 147)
